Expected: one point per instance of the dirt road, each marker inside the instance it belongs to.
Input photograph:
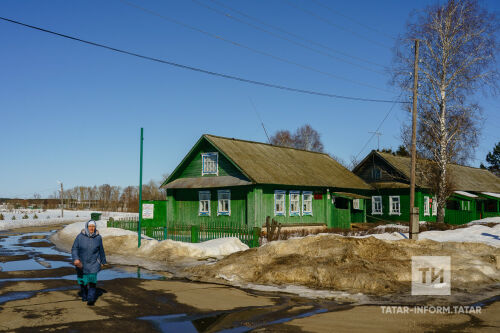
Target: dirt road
(38, 292)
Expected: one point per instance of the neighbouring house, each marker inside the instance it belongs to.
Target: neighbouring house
(237, 182)
(476, 195)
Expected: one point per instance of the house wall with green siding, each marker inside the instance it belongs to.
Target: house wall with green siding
(250, 205)
(404, 206)
(267, 205)
(185, 206)
(467, 208)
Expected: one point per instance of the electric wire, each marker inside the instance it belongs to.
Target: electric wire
(330, 23)
(298, 37)
(231, 17)
(249, 48)
(200, 70)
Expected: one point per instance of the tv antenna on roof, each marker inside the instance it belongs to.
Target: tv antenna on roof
(260, 119)
(378, 134)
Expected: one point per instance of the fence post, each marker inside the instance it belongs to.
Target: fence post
(195, 230)
(255, 237)
(164, 233)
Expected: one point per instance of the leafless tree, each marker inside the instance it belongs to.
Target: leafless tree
(308, 138)
(457, 59)
(283, 138)
(305, 137)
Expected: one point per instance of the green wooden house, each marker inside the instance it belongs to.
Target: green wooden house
(477, 191)
(230, 181)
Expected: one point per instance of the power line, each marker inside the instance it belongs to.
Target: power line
(200, 70)
(231, 17)
(369, 27)
(336, 25)
(240, 45)
(299, 37)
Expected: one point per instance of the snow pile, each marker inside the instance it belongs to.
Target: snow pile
(495, 219)
(123, 245)
(475, 233)
(357, 265)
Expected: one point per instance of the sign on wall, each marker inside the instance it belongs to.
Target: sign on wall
(147, 211)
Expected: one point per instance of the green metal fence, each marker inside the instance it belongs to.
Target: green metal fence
(194, 233)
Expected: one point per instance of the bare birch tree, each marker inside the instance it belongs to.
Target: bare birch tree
(457, 59)
(305, 137)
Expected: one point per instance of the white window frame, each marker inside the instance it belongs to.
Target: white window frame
(280, 213)
(392, 200)
(219, 202)
(297, 211)
(355, 203)
(427, 209)
(434, 207)
(465, 205)
(307, 212)
(203, 170)
(377, 212)
(200, 200)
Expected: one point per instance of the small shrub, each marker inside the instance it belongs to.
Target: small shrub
(25, 216)
(77, 215)
(1, 216)
(35, 217)
(13, 217)
(111, 219)
(48, 216)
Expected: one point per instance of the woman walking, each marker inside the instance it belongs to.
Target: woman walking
(88, 258)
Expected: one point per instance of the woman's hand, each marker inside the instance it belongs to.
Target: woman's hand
(78, 263)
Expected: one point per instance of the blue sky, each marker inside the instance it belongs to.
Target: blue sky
(73, 112)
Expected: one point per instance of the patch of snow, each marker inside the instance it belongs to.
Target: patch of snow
(496, 195)
(475, 234)
(466, 194)
(306, 292)
(495, 219)
(51, 217)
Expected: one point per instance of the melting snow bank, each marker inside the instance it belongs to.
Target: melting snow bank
(121, 247)
(476, 233)
(353, 265)
(49, 217)
(6, 225)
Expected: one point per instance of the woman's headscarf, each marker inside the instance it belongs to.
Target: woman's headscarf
(87, 232)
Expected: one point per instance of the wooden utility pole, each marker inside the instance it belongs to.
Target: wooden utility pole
(62, 200)
(414, 212)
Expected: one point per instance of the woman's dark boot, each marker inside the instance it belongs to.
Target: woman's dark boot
(91, 296)
(84, 292)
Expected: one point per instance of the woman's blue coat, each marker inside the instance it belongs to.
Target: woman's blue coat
(89, 250)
